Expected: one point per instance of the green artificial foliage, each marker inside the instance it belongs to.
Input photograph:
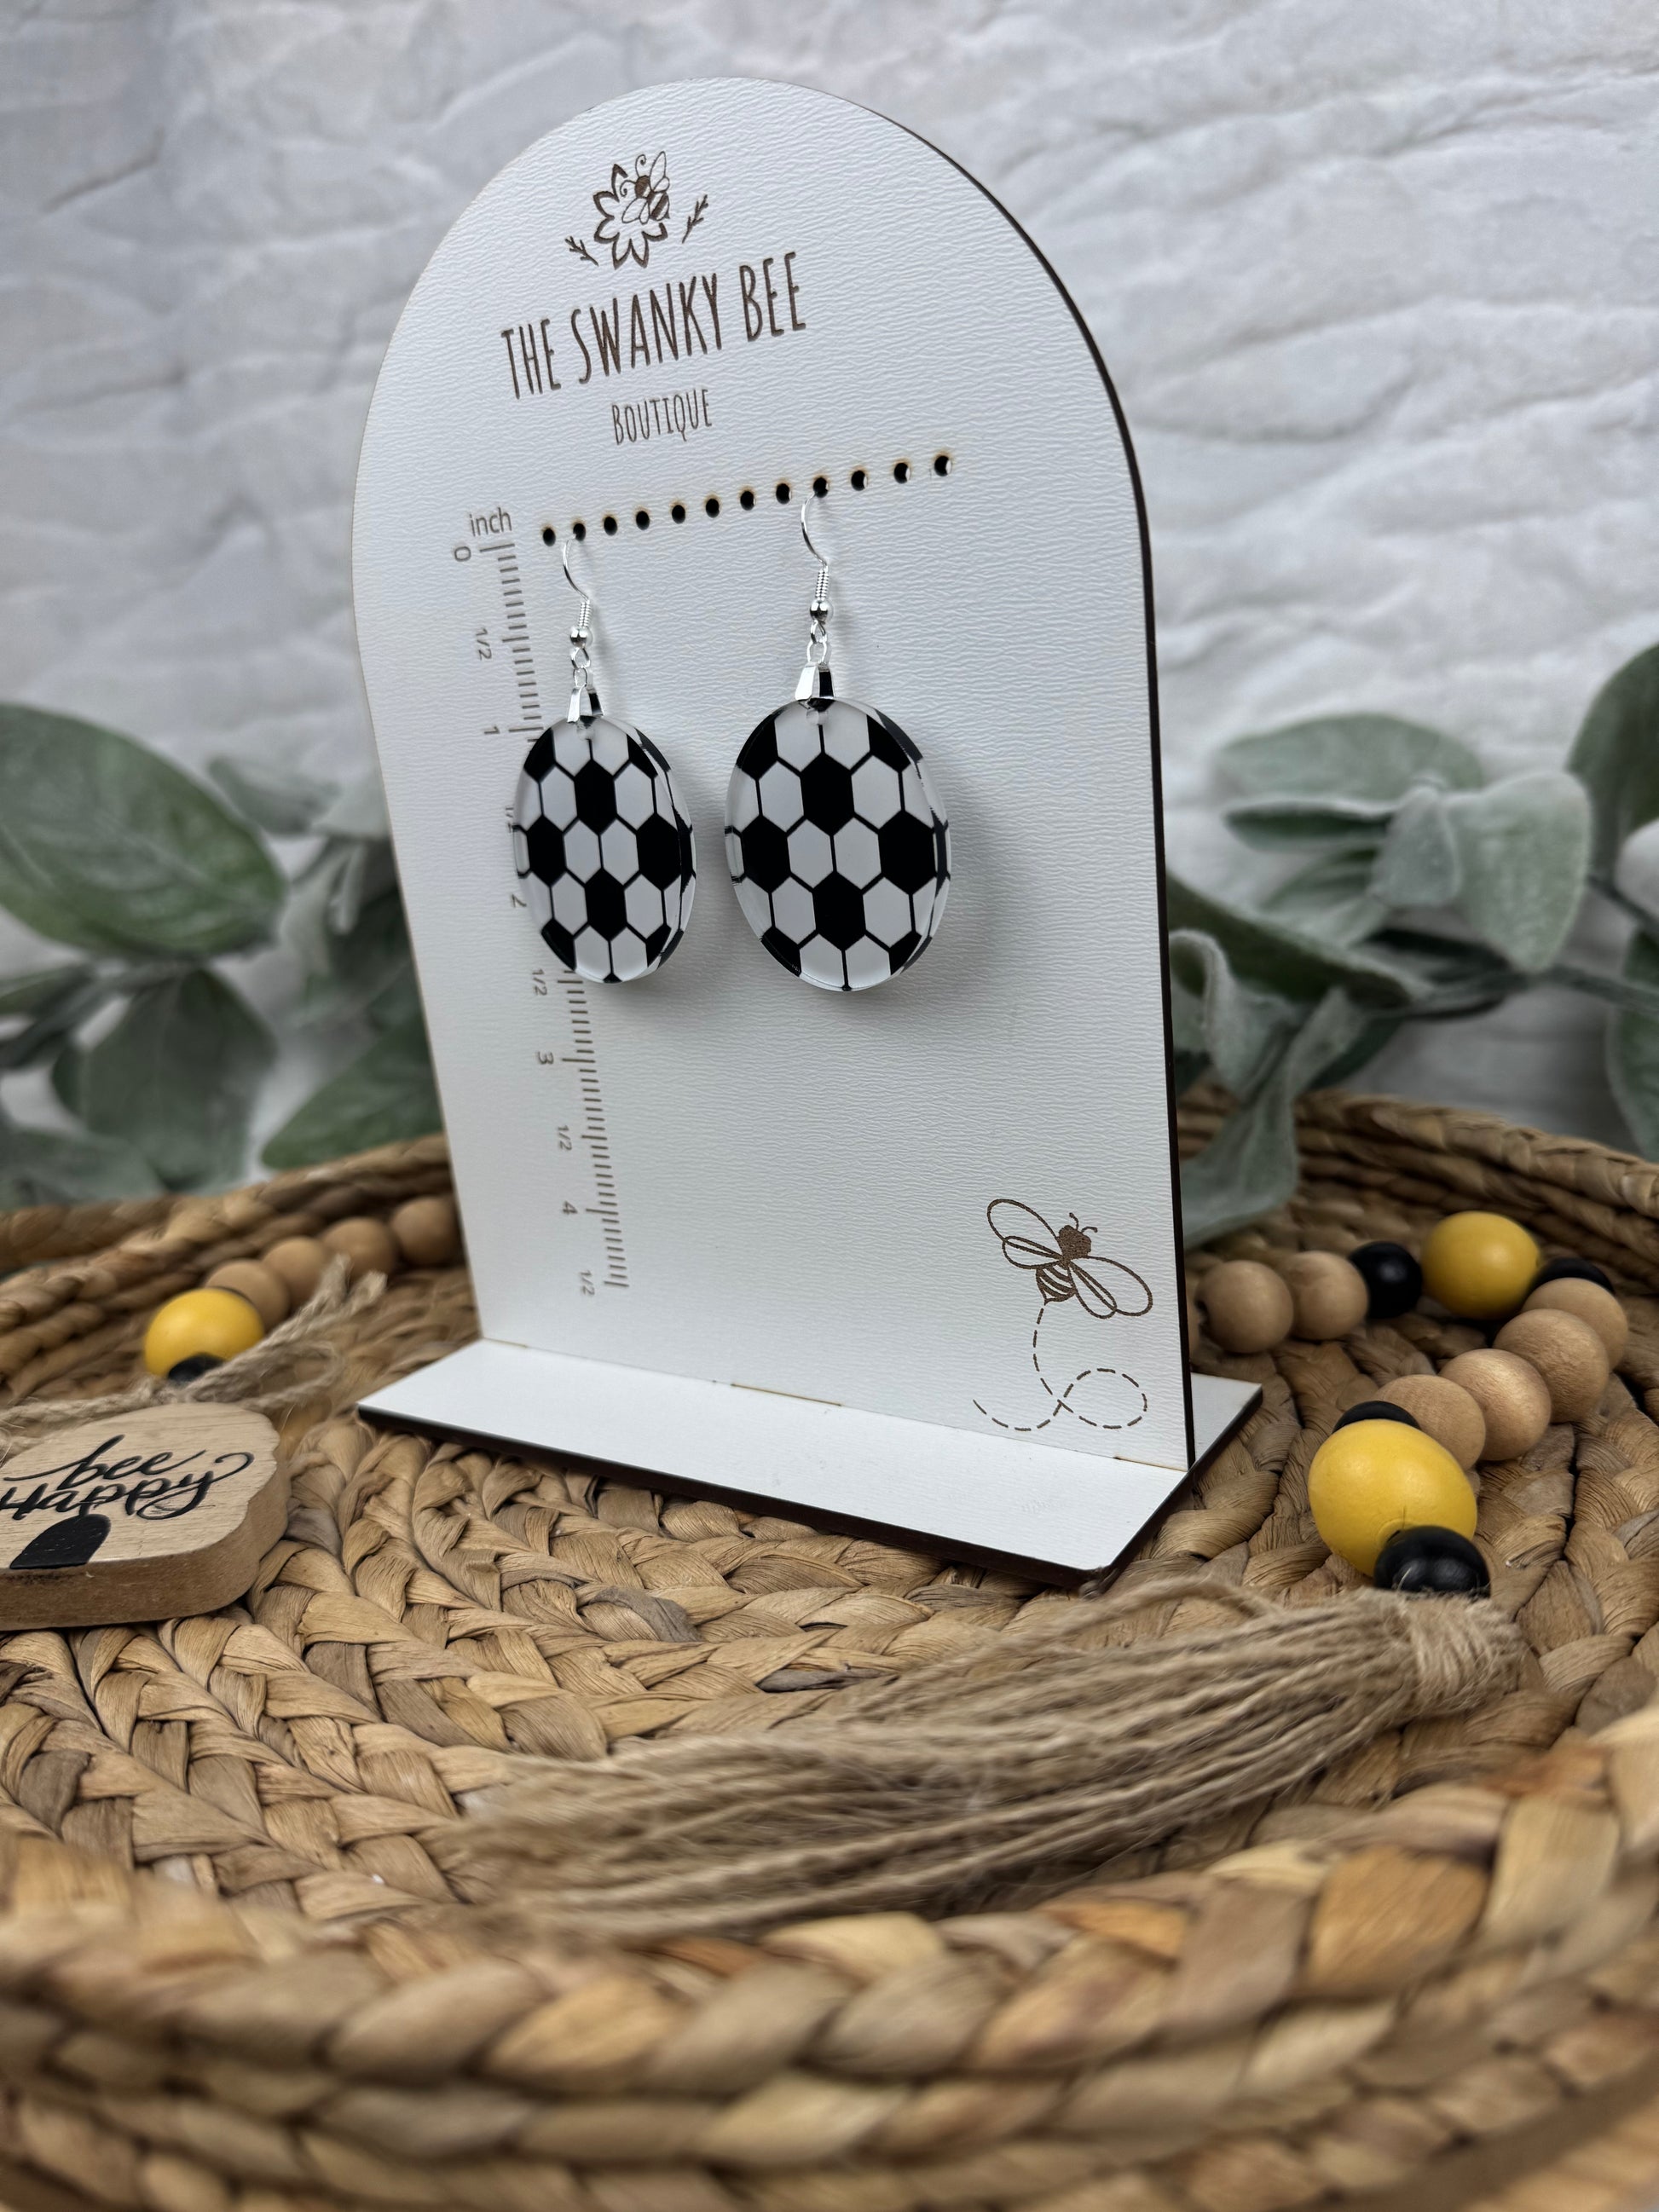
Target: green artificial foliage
(1422, 892)
(154, 881)
(1416, 888)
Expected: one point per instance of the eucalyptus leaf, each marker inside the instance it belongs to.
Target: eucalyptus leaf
(1251, 1165)
(365, 968)
(45, 1167)
(1626, 992)
(386, 1095)
(177, 1076)
(1636, 871)
(40, 988)
(1419, 865)
(281, 801)
(66, 1072)
(1263, 951)
(1447, 975)
(1523, 848)
(1238, 1027)
(105, 846)
(359, 811)
(1331, 899)
(1634, 1051)
(1353, 757)
(1616, 754)
(1288, 824)
(75, 1001)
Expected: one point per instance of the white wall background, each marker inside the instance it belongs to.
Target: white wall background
(1379, 286)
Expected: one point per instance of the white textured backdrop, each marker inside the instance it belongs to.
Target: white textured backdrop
(1379, 288)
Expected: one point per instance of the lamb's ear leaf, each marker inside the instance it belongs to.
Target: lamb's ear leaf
(1418, 864)
(1251, 1165)
(1238, 1027)
(1523, 848)
(1292, 825)
(1352, 756)
(1616, 754)
(1447, 974)
(1634, 1051)
(1330, 900)
(386, 1094)
(1263, 951)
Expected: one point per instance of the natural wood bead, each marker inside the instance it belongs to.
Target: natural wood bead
(1567, 1352)
(300, 1260)
(1443, 1410)
(1573, 1294)
(1249, 1306)
(428, 1231)
(262, 1286)
(1330, 1297)
(368, 1246)
(1510, 1392)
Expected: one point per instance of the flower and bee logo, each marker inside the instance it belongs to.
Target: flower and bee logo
(635, 210)
(1079, 1287)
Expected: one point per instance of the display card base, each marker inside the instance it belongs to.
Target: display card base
(974, 1495)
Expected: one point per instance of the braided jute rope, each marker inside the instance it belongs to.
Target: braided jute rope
(1047, 1753)
(245, 1960)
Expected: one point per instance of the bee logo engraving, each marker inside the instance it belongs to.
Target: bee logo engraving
(1065, 1262)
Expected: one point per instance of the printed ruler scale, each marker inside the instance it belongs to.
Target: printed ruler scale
(579, 1155)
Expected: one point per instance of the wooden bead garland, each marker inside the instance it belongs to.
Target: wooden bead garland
(1248, 1307)
(1512, 1396)
(1328, 1293)
(1590, 1301)
(1562, 1331)
(1444, 1410)
(243, 1300)
(1567, 1352)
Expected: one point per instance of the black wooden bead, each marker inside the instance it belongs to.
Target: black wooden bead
(187, 1371)
(1392, 1276)
(1584, 1270)
(1378, 1409)
(1431, 1563)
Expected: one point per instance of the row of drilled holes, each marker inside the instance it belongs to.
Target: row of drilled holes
(782, 492)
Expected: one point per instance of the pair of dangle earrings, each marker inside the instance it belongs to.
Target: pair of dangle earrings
(838, 848)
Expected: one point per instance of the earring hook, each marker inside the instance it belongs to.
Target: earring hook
(584, 699)
(815, 686)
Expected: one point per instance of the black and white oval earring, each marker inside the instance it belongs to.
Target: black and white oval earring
(837, 844)
(599, 837)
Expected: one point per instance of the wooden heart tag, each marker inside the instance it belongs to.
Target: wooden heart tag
(138, 1517)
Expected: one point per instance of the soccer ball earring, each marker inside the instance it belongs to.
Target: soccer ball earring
(837, 844)
(599, 837)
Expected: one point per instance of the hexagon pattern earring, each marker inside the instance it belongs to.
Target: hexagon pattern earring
(600, 840)
(838, 846)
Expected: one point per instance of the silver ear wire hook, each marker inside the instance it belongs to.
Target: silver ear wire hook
(584, 699)
(816, 686)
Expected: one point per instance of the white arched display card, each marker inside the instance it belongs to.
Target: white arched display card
(908, 1253)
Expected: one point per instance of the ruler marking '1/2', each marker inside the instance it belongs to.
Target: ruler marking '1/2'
(516, 636)
(593, 1133)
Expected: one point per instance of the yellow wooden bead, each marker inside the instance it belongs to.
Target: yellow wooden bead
(212, 1325)
(1372, 1480)
(1479, 1266)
